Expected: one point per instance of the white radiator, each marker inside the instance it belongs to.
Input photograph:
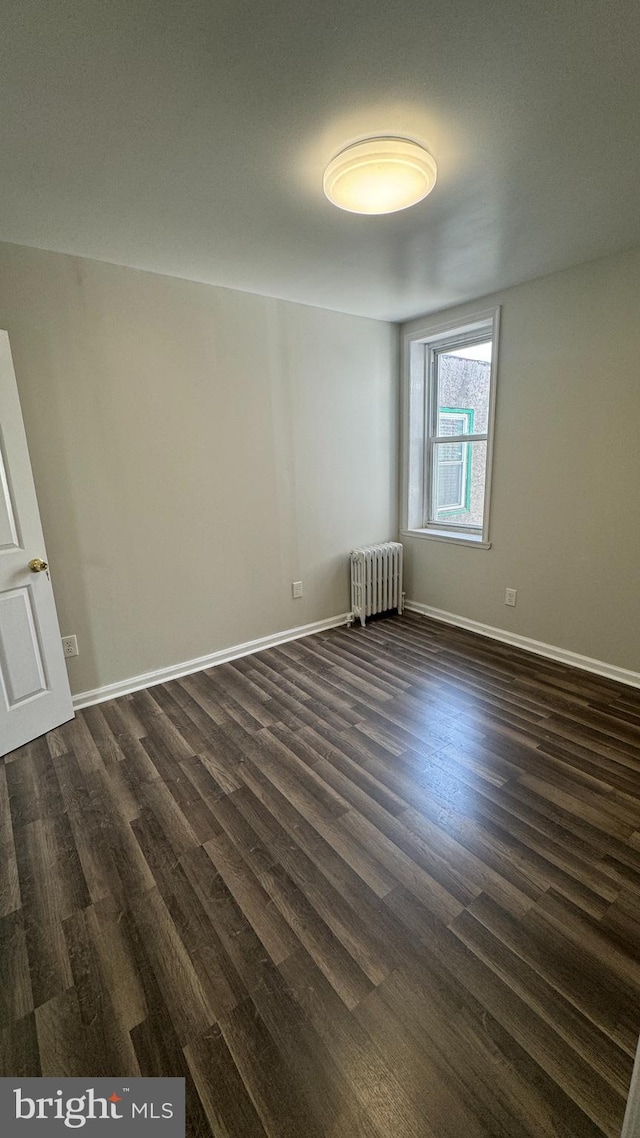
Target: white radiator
(376, 580)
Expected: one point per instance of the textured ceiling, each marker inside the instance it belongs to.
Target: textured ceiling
(189, 137)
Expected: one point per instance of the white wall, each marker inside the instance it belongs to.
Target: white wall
(565, 514)
(195, 449)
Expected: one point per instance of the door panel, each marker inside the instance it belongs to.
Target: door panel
(34, 689)
(21, 663)
(8, 528)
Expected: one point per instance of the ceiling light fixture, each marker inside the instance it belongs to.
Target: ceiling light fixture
(380, 175)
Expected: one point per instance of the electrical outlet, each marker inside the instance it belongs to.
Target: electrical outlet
(70, 645)
(296, 589)
(510, 596)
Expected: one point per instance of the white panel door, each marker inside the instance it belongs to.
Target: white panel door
(34, 689)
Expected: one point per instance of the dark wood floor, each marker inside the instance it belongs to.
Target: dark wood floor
(379, 882)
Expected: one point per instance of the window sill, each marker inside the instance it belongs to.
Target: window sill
(468, 539)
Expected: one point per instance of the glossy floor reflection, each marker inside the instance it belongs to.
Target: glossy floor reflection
(374, 882)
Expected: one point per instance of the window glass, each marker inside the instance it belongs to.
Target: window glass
(464, 380)
(458, 479)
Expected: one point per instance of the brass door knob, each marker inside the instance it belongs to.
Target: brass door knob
(37, 565)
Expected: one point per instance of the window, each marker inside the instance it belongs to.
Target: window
(450, 375)
(453, 474)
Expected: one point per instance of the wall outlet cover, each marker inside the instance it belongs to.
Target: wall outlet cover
(70, 646)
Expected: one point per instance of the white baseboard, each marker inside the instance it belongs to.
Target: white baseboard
(174, 671)
(561, 655)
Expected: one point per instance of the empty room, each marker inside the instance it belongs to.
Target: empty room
(319, 549)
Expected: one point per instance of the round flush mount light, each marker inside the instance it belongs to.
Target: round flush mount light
(380, 175)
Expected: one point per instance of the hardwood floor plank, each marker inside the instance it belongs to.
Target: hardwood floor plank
(103, 1023)
(278, 1099)
(494, 1054)
(403, 868)
(344, 974)
(297, 782)
(551, 864)
(375, 1085)
(159, 1054)
(326, 1091)
(112, 933)
(186, 999)
(432, 1083)
(622, 919)
(19, 1050)
(196, 690)
(45, 904)
(226, 1102)
(241, 945)
(262, 914)
(325, 842)
(16, 996)
(32, 791)
(9, 880)
(78, 738)
(475, 873)
(103, 737)
(338, 915)
(580, 977)
(186, 819)
(586, 932)
(121, 716)
(554, 1008)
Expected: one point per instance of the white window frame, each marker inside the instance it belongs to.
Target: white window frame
(463, 463)
(418, 425)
